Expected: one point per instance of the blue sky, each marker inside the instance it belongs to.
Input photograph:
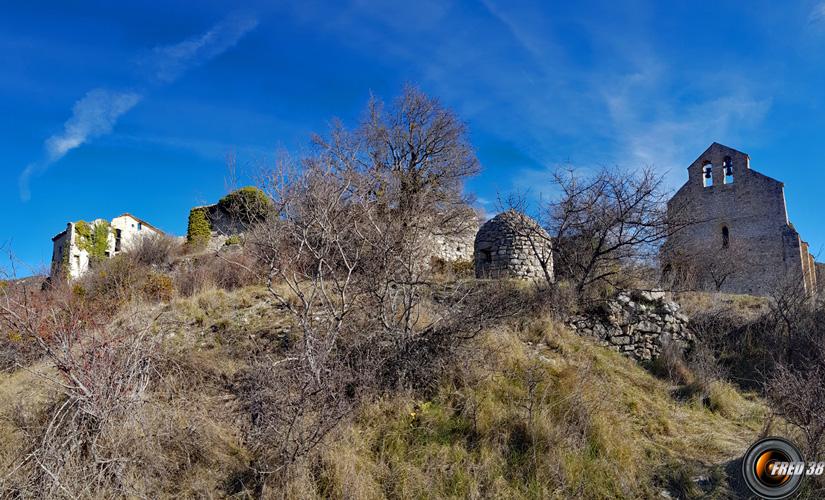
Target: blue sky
(108, 108)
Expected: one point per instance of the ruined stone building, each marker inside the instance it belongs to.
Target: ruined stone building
(211, 226)
(451, 239)
(512, 245)
(76, 246)
(737, 238)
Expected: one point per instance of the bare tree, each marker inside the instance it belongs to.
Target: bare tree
(607, 224)
(689, 269)
(346, 252)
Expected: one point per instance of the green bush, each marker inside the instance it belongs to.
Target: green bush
(248, 204)
(233, 240)
(199, 230)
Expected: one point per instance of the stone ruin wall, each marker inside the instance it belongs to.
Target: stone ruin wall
(454, 247)
(512, 245)
(222, 222)
(763, 248)
(637, 324)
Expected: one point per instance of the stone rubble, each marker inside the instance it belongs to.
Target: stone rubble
(636, 324)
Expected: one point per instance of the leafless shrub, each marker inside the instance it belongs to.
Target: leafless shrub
(796, 387)
(15, 349)
(607, 225)
(704, 365)
(234, 270)
(112, 282)
(155, 250)
(102, 375)
(158, 287)
(292, 411)
(672, 365)
(798, 396)
(190, 278)
(346, 252)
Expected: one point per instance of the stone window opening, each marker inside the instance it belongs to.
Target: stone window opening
(727, 167)
(487, 255)
(725, 237)
(707, 177)
(117, 240)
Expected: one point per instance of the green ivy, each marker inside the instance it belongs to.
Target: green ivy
(93, 238)
(249, 204)
(233, 240)
(199, 230)
(64, 264)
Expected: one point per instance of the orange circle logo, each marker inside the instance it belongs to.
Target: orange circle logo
(773, 468)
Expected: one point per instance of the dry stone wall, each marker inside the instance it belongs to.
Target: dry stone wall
(512, 245)
(455, 247)
(636, 324)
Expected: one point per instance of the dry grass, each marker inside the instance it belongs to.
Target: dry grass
(561, 419)
(532, 412)
(745, 306)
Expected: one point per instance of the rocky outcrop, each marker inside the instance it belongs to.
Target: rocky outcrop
(637, 324)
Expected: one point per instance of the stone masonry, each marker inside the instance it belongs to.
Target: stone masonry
(455, 244)
(740, 239)
(71, 260)
(636, 324)
(512, 245)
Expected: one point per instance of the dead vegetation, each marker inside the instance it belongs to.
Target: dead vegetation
(530, 410)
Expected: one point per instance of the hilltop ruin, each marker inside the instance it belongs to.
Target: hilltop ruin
(77, 246)
(740, 239)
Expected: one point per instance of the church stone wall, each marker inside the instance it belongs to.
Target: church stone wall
(740, 239)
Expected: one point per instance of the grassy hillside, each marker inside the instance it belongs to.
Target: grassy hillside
(529, 410)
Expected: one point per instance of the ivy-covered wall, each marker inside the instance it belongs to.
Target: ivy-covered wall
(199, 230)
(94, 238)
(231, 215)
(248, 204)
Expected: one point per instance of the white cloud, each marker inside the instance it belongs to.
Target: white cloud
(817, 13)
(169, 62)
(652, 130)
(97, 112)
(93, 115)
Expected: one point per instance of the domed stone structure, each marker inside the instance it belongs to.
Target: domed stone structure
(512, 245)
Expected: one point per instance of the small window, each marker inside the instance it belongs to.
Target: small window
(725, 237)
(487, 255)
(707, 175)
(727, 167)
(140, 226)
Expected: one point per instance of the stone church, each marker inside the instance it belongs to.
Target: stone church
(737, 236)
